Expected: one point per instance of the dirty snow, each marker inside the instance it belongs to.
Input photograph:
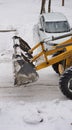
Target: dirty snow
(40, 105)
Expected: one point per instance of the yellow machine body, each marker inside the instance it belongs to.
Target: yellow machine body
(66, 47)
(60, 56)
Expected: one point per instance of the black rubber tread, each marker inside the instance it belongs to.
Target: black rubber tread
(63, 82)
(55, 66)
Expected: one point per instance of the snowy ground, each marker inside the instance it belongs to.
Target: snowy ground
(40, 105)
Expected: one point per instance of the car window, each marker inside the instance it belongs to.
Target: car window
(42, 22)
(57, 27)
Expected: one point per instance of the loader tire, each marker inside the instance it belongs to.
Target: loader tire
(65, 83)
(55, 66)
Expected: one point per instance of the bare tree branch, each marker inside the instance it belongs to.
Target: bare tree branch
(11, 30)
(43, 6)
(49, 6)
(63, 2)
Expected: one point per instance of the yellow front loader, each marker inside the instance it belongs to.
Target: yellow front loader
(27, 63)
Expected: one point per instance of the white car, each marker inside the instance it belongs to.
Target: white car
(51, 24)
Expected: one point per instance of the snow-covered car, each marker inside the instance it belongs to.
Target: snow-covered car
(51, 24)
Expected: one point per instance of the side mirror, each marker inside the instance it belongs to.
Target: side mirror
(41, 29)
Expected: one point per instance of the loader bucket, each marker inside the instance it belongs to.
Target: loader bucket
(24, 71)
